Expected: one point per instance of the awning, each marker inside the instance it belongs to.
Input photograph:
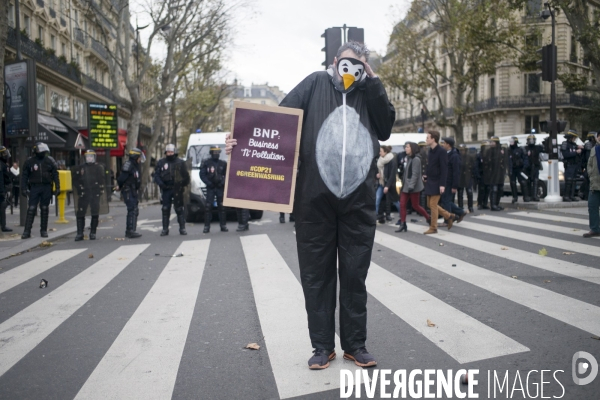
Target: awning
(47, 136)
(71, 135)
(51, 123)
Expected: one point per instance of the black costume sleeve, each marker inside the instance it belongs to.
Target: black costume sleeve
(381, 112)
(300, 95)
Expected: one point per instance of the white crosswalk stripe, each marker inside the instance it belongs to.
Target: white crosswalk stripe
(530, 224)
(542, 300)
(550, 218)
(26, 271)
(144, 359)
(21, 333)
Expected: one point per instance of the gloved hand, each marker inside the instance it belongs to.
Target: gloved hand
(55, 192)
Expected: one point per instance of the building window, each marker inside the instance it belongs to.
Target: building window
(533, 8)
(63, 49)
(79, 112)
(41, 34)
(11, 15)
(532, 122)
(27, 23)
(492, 88)
(532, 83)
(263, 93)
(247, 92)
(573, 56)
(41, 96)
(53, 42)
(60, 104)
(87, 67)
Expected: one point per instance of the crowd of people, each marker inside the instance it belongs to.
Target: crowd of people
(435, 176)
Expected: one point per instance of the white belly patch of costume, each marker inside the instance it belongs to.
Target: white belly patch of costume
(334, 165)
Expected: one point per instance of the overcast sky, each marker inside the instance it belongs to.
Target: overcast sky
(280, 41)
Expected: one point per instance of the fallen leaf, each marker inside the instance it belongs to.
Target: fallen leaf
(90, 255)
(503, 248)
(52, 229)
(119, 238)
(543, 252)
(514, 276)
(253, 346)
(430, 324)
(595, 337)
(575, 230)
(45, 243)
(547, 281)
(568, 253)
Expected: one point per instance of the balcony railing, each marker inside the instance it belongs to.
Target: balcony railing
(98, 48)
(40, 55)
(79, 35)
(91, 84)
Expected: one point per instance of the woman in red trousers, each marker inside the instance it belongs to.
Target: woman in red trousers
(412, 184)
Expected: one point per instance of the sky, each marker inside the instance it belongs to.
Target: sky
(279, 41)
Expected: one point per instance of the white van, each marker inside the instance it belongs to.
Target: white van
(198, 150)
(543, 184)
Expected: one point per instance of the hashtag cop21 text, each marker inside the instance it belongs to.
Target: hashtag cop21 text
(433, 384)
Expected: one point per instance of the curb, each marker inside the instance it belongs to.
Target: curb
(28, 244)
(543, 205)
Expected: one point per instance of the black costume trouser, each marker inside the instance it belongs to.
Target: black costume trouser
(328, 229)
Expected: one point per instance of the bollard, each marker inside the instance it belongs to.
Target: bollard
(64, 177)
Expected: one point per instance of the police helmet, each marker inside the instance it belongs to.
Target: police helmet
(41, 147)
(137, 155)
(592, 136)
(215, 152)
(531, 139)
(572, 133)
(171, 147)
(4, 153)
(90, 156)
(514, 140)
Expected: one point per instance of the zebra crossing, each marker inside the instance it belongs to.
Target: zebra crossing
(144, 357)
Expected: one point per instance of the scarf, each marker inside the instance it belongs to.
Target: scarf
(598, 157)
(381, 162)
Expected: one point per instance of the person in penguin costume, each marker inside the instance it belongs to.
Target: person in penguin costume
(346, 112)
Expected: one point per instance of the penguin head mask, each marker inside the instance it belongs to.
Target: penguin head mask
(351, 71)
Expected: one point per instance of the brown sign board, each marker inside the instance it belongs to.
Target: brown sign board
(261, 174)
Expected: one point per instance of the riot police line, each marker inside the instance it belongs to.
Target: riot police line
(40, 181)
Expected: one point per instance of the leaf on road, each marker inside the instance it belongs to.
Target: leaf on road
(119, 238)
(568, 253)
(514, 277)
(543, 252)
(90, 255)
(52, 229)
(252, 346)
(595, 337)
(45, 243)
(575, 230)
(503, 248)
(430, 324)
(547, 281)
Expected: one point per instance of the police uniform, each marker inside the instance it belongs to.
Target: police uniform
(587, 150)
(39, 173)
(129, 182)
(172, 176)
(89, 194)
(212, 173)
(572, 164)
(534, 165)
(5, 186)
(518, 162)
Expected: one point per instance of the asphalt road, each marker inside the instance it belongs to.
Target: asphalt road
(130, 319)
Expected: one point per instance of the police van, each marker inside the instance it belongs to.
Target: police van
(198, 150)
(543, 183)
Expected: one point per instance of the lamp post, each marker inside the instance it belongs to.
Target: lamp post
(553, 195)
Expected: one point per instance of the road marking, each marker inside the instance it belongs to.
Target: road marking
(566, 268)
(551, 218)
(461, 336)
(143, 361)
(280, 305)
(535, 225)
(24, 272)
(577, 313)
(24, 331)
(543, 241)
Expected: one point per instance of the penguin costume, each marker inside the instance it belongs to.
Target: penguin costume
(346, 112)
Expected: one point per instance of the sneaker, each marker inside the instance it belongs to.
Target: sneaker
(361, 357)
(321, 359)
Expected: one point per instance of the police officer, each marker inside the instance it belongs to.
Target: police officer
(571, 153)
(212, 173)
(517, 163)
(5, 186)
(172, 176)
(39, 172)
(483, 189)
(534, 165)
(494, 165)
(468, 175)
(587, 150)
(129, 182)
(89, 191)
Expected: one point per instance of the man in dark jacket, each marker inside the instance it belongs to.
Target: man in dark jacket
(346, 112)
(452, 179)
(435, 181)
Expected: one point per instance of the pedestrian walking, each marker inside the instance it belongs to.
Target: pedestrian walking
(171, 176)
(129, 182)
(212, 172)
(386, 159)
(15, 172)
(346, 112)
(5, 187)
(435, 181)
(452, 180)
(413, 185)
(534, 165)
(587, 151)
(593, 169)
(571, 153)
(494, 171)
(39, 173)
(517, 163)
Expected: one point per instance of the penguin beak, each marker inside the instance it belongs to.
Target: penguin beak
(348, 80)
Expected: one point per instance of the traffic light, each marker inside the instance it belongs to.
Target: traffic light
(548, 63)
(356, 34)
(333, 41)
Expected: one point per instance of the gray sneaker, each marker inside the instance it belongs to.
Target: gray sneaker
(361, 357)
(321, 359)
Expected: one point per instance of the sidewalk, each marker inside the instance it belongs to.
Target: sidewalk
(11, 242)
